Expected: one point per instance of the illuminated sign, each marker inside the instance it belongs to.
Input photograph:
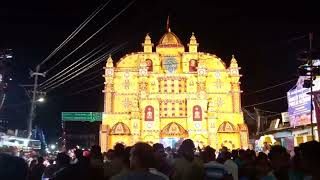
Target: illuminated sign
(299, 105)
(81, 116)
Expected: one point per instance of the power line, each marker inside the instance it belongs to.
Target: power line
(265, 102)
(271, 87)
(85, 68)
(112, 19)
(90, 79)
(87, 89)
(77, 70)
(75, 32)
(72, 66)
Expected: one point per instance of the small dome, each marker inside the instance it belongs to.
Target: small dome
(170, 38)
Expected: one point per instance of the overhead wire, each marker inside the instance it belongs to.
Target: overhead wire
(78, 69)
(87, 89)
(75, 32)
(112, 19)
(90, 79)
(85, 68)
(271, 87)
(73, 66)
(265, 102)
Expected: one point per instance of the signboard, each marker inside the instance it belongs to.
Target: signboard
(81, 116)
(299, 103)
(285, 117)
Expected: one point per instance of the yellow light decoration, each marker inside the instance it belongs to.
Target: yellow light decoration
(169, 94)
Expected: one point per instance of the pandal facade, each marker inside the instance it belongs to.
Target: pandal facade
(170, 94)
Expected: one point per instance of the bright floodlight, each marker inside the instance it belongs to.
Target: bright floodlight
(41, 99)
(52, 146)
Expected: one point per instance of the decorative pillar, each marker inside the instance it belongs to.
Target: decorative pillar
(143, 75)
(108, 85)
(108, 90)
(193, 45)
(235, 85)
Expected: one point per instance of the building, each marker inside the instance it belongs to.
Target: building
(171, 94)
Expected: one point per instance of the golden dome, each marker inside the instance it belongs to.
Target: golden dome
(169, 38)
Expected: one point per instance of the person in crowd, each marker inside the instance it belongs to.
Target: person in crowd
(37, 171)
(231, 166)
(279, 159)
(214, 169)
(141, 159)
(12, 168)
(310, 159)
(56, 171)
(116, 164)
(263, 169)
(161, 158)
(186, 166)
(109, 155)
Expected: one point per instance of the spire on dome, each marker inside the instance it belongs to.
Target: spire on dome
(147, 45)
(168, 23)
(233, 59)
(193, 45)
(109, 62)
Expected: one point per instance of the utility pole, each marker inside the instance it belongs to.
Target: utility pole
(311, 79)
(258, 118)
(33, 100)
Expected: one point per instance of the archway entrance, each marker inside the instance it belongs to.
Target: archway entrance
(172, 135)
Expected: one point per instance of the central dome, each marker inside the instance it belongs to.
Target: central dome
(169, 38)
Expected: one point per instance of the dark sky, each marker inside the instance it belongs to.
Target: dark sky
(263, 37)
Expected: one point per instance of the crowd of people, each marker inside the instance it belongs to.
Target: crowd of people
(143, 161)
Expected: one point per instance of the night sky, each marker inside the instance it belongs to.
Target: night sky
(263, 37)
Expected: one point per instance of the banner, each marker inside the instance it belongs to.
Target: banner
(316, 101)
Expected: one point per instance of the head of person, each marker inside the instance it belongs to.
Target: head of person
(12, 167)
(141, 156)
(234, 154)
(40, 160)
(33, 163)
(209, 154)
(63, 159)
(110, 154)
(159, 152)
(187, 149)
(78, 153)
(95, 152)
(310, 157)
(119, 149)
(279, 158)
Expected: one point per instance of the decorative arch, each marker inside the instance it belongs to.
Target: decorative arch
(227, 127)
(149, 113)
(149, 65)
(173, 130)
(120, 129)
(193, 64)
(197, 113)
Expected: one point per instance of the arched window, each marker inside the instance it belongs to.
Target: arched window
(149, 65)
(149, 113)
(197, 113)
(193, 64)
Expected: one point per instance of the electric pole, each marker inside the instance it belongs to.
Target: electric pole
(33, 100)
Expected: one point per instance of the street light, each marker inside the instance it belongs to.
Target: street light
(41, 99)
(52, 147)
